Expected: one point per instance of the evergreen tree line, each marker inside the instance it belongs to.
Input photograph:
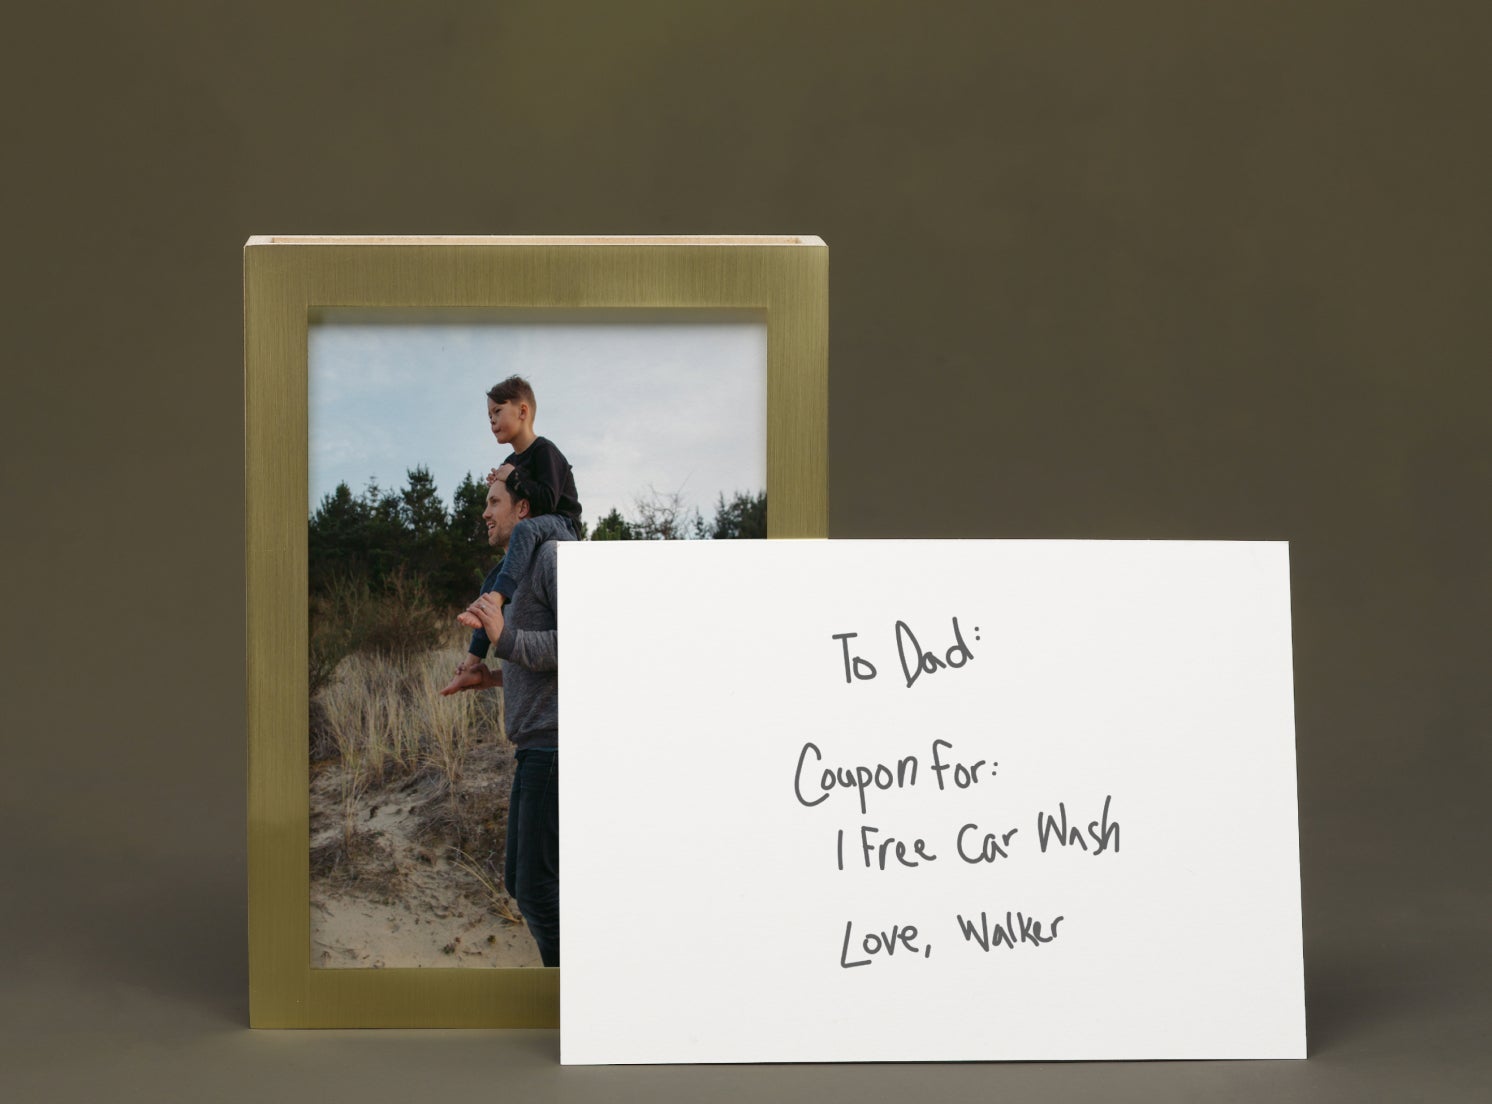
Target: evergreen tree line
(382, 535)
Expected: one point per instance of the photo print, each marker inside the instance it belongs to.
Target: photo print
(624, 426)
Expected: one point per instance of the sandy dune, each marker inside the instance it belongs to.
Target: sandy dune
(409, 878)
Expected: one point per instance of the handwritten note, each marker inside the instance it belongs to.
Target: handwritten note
(927, 800)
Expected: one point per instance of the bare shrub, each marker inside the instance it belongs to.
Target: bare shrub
(403, 619)
(665, 516)
(350, 616)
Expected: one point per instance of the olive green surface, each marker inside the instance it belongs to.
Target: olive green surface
(1098, 270)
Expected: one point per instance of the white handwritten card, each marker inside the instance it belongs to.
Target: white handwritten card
(927, 800)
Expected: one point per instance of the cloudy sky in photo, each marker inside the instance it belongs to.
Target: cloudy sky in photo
(634, 405)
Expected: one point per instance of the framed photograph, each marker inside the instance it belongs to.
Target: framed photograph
(424, 419)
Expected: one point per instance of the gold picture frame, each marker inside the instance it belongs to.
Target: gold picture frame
(286, 280)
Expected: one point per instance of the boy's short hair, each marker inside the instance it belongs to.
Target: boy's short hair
(514, 389)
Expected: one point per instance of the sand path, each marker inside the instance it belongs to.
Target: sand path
(414, 886)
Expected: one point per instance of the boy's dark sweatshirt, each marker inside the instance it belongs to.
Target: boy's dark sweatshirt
(552, 483)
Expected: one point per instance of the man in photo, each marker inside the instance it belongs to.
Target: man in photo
(554, 505)
(524, 636)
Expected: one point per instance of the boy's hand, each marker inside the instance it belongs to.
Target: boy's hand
(492, 477)
(469, 619)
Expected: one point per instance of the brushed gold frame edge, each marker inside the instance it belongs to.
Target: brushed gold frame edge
(283, 282)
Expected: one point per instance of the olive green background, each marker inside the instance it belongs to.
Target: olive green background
(1097, 270)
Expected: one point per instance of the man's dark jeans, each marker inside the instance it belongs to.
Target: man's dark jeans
(531, 873)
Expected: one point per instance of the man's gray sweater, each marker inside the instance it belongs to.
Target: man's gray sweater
(529, 649)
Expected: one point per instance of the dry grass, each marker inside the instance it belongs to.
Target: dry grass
(497, 897)
(409, 785)
(385, 713)
(392, 739)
